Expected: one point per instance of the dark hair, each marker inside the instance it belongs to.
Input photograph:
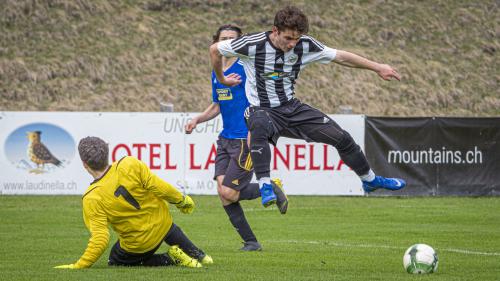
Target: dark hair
(231, 27)
(94, 152)
(291, 18)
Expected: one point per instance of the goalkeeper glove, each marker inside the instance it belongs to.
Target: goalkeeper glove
(67, 266)
(186, 206)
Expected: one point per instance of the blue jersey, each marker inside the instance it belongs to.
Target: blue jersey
(232, 102)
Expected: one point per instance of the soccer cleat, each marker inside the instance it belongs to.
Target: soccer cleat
(385, 183)
(251, 246)
(281, 198)
(207, 260)
(181, 258)
(267, 194)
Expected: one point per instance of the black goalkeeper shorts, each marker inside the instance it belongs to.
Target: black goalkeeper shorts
(175, 236)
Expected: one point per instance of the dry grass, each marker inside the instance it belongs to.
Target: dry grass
(89, 55)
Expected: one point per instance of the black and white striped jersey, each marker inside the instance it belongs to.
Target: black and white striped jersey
(271, 73)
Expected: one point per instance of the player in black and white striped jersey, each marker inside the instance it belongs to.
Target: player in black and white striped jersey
(274, 70)
(272, 61)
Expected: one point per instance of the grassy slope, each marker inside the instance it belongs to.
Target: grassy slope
(130, 55)
(321, 238)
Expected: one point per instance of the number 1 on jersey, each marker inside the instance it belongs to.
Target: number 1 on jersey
(121, 190)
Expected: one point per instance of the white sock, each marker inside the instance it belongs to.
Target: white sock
(264, 180)
(368, 177)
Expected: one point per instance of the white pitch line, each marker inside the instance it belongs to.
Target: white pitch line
(467, 252)
(340, 244)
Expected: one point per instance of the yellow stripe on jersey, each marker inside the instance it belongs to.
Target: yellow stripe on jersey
(134, 201)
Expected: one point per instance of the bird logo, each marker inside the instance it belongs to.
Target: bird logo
(39, 153)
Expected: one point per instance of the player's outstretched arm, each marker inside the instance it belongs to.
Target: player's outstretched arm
(96, 221)
(155, 184)
(232, 79)
(186, 205)
(210, 113)
(168, 192)
(349, 59)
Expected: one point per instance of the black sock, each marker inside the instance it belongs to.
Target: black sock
(175, 236)
(238, 220)
(250, 192)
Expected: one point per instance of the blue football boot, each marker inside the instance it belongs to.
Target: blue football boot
(267, 194)
(385, 183)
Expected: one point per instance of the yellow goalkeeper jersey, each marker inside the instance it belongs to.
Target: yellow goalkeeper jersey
(133, 201)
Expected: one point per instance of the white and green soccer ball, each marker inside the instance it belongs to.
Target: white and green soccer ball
(420, 259)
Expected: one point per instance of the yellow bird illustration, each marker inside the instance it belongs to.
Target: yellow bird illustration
(38, 152)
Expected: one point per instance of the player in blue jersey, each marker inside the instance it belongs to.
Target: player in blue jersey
(233, 165)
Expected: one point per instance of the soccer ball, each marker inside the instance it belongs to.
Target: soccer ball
(420, 259)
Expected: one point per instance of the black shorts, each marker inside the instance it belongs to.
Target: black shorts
(297, 120)
(119, 256)
(234, 162)
(175, 236)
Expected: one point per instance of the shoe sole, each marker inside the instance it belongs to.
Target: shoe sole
(283, 206)
(251, 250)
(254, 247)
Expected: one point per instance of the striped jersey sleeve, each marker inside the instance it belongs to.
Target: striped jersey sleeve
(317, 52)
(240, 46)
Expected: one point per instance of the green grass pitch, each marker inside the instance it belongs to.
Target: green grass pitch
(321, 238)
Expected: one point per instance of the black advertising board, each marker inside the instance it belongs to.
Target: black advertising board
(436, 156)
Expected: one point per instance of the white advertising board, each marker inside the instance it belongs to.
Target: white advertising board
(158, 139)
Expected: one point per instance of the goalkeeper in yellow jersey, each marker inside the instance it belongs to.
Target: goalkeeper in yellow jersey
(134, 201)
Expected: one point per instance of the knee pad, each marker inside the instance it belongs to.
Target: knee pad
(260, 126)
(350, 152)
(261, 129)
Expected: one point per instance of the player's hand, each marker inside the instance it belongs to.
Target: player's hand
(67, 266)
(186, 206)
(231, 80)
(190, 126)
(386, 72)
